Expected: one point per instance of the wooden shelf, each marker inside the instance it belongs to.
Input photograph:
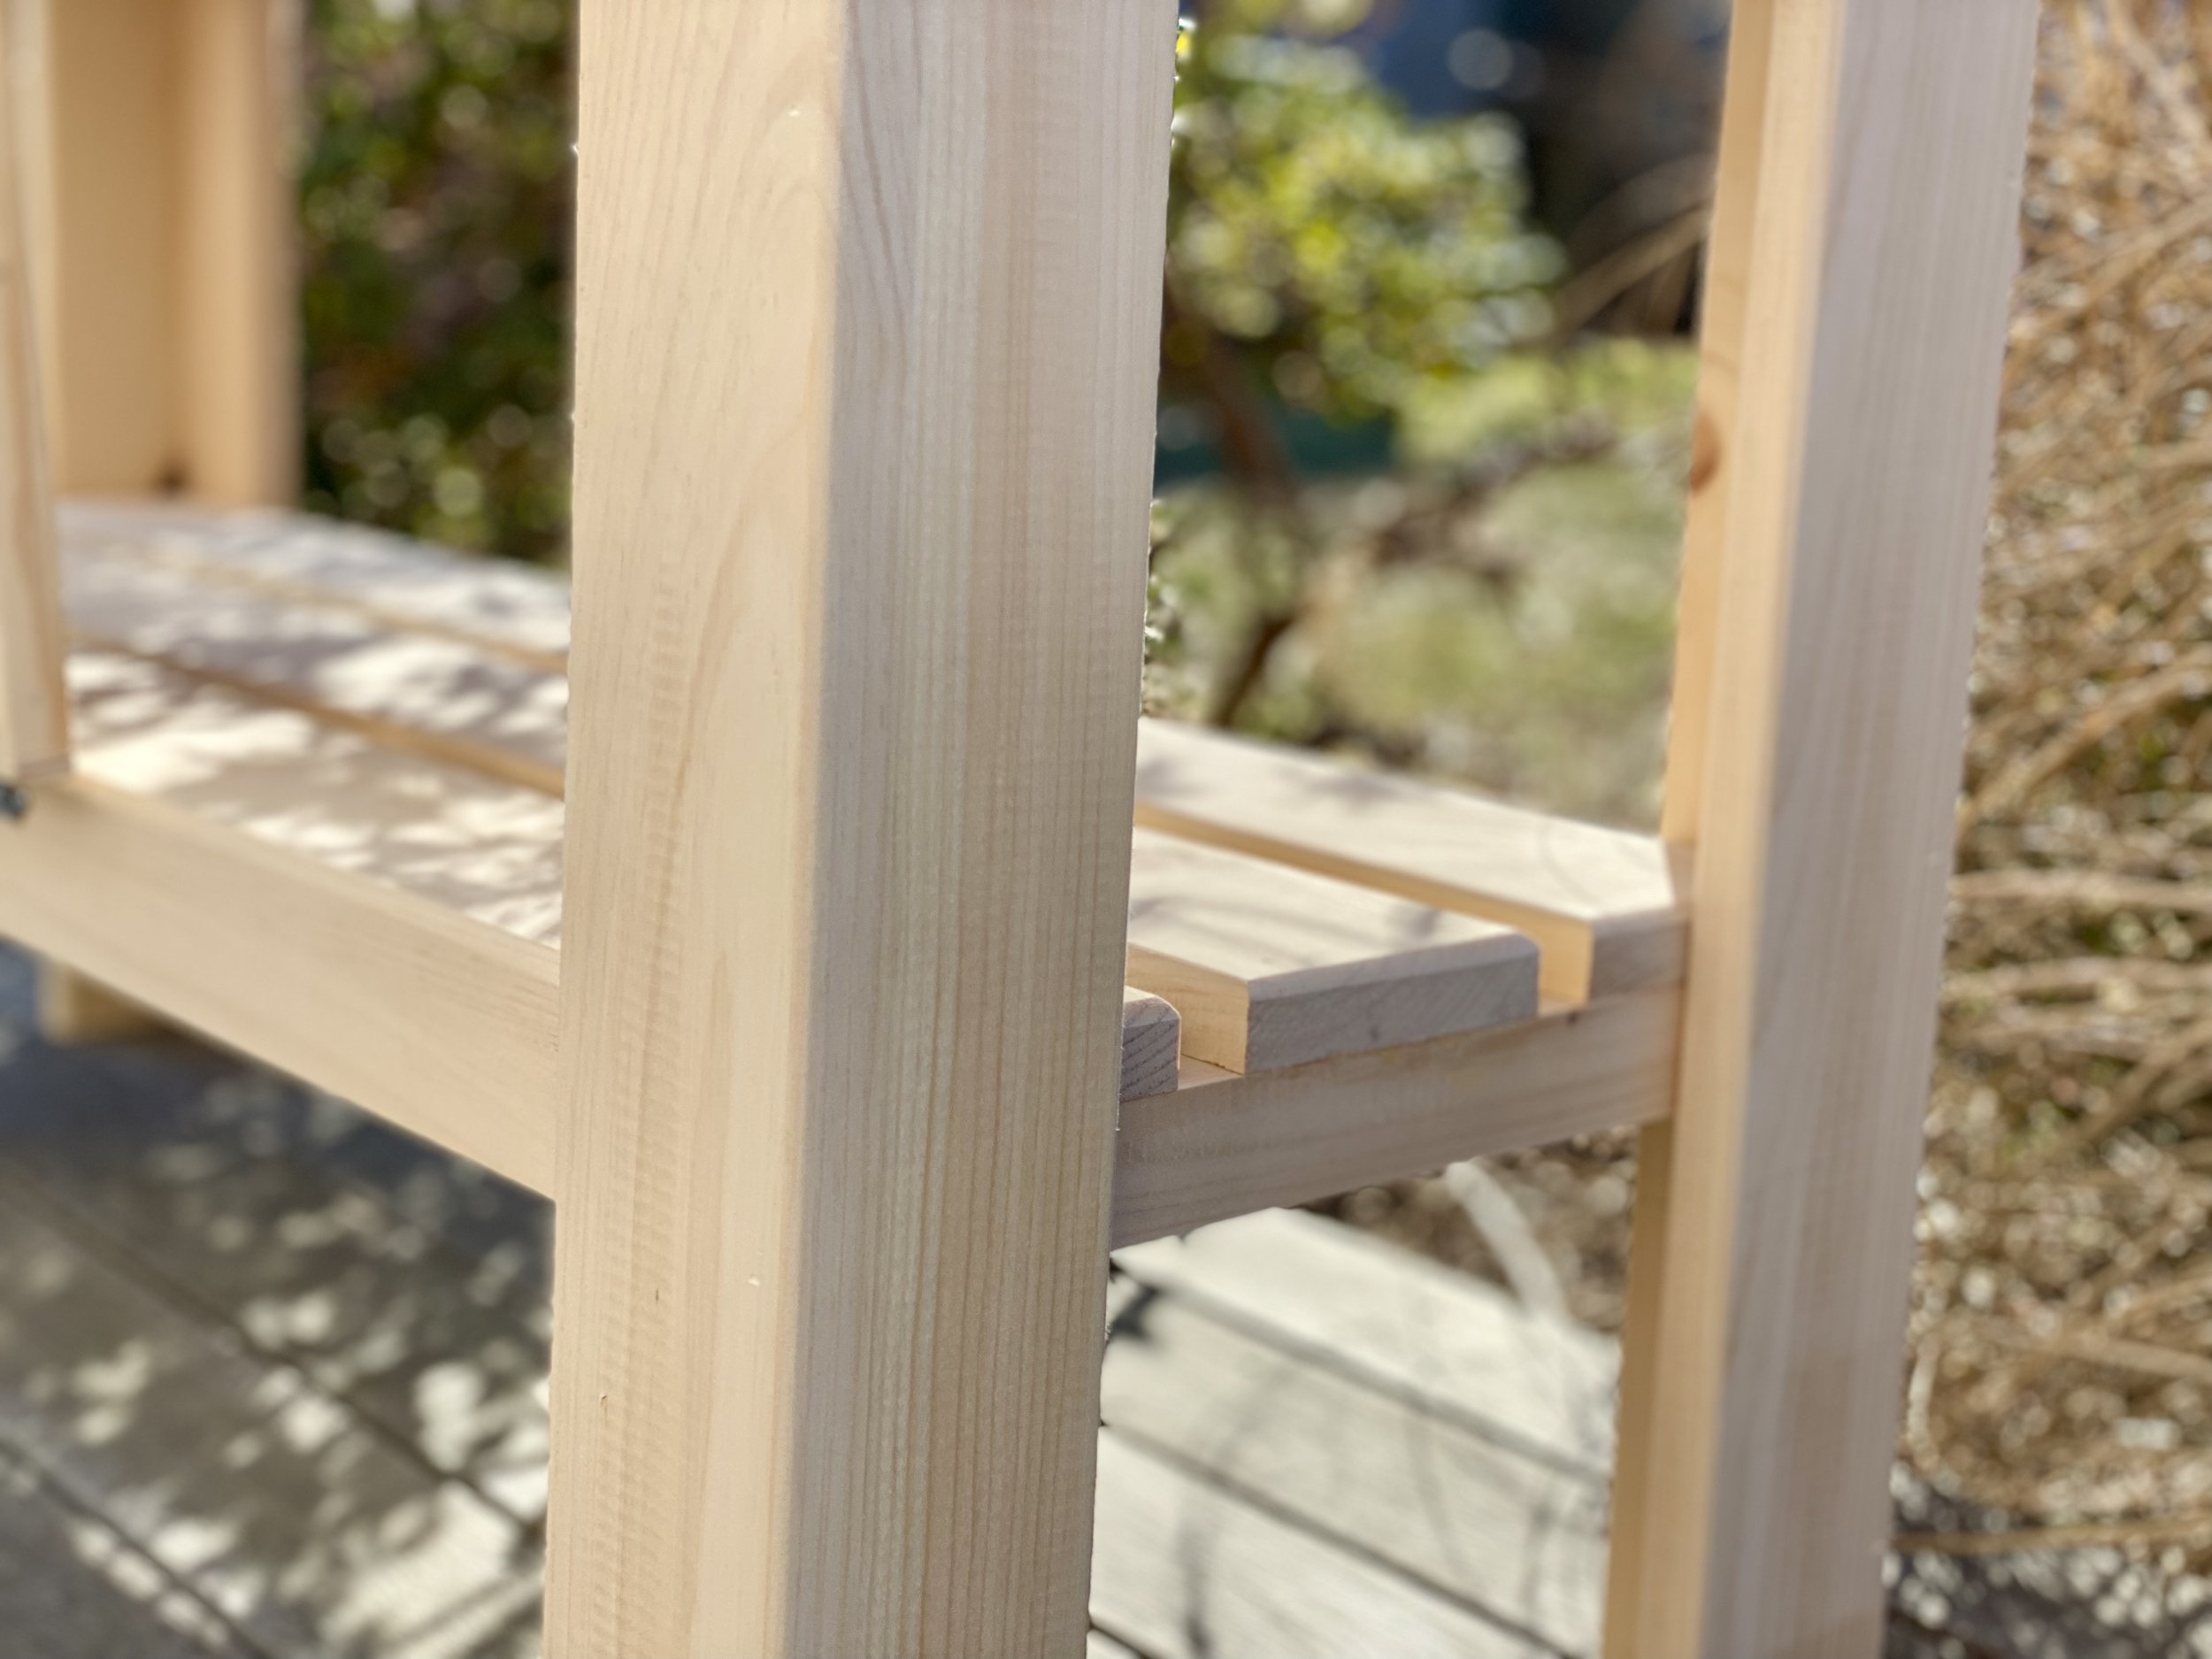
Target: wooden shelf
(325, 765)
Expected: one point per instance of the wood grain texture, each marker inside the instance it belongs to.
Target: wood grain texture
(1225, 1146)
(1272, 966)
(1602, 905)
(1152, 1045)
(34, 701)
(868, 303)
(1826, 693)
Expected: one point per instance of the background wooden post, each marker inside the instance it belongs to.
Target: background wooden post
(34, 701)
(163, 221)
(159, 201)
(868, 322)
(1870, 180)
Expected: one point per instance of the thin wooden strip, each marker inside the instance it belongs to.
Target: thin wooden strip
(516, 611)
(441, 697)
(1230, 1145)
(1181, 1570)
(34, 701)
(482, 849)
(1272, 967)
(327, 619)
(1602, 905)
(1520, 1537)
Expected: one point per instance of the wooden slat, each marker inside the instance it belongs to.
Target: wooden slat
(1152, 1045)
(438, 695)
(1271, 967)
(249, 789)
(1231, 1145)
(859, 565)
(483, 849)
(1873, 165)
(1601, 904)
(34, 701)
(511, 610)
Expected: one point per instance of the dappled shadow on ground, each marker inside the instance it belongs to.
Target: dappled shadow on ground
(294, 1361)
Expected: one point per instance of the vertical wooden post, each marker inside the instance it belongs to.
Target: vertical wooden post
(164, 228)
(1863, 244)
(868, 309)
(34, 702)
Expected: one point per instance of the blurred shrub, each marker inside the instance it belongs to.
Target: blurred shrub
(1396, 518)
(436, 203)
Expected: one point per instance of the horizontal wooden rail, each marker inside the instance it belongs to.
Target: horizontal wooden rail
(447, 1027)
(442, 1024)
(1226, 1146)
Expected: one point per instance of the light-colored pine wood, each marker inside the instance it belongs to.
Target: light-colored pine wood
(1152, 1045)
(511, 610)
(162, 232)
(868, 307)
(1224, 1145)
(34, 702)
(1602, 905)
(1269, 965)
(426, 692)
(1272, 966)
(1825, 654)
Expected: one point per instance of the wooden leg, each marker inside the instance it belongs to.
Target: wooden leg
(1870, 178)
(74, 1010)
(159, 210)
(868, 313)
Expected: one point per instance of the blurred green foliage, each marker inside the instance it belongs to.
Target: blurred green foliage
(1495, 603)
(436, 204)
(1499, 605)
(1357, 254)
